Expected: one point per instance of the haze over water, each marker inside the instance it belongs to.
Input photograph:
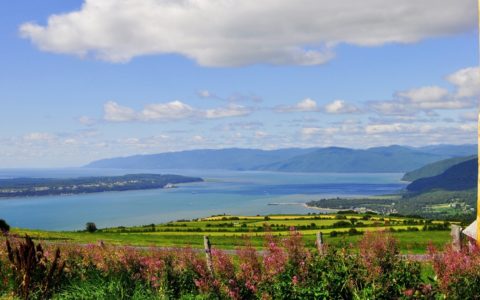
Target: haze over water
(230, 192)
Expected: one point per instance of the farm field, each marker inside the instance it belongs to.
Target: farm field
(230, 232)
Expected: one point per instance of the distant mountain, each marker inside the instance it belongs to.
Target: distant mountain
(450, 150)
(226, 159)
(462, 176)
(334, 159)
(435, 168)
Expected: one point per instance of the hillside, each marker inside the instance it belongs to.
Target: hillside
(450, 150)
(332, 159)
(462, 176)
(226, 159)
(435, 168)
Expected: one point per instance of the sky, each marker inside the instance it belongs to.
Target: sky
(86, 80)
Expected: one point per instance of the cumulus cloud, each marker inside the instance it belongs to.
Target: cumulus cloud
(311, 131)
(166, 111)
(340, 107)
(305, 105)
(430, 98)
(174, 110)
(397, 128)
(467, 82)
(232, 33)
(114, 112)
(231, 110)
(234, 98)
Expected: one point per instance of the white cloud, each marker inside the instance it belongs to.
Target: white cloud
(230, 33)
(39, 137)
(198, 138)
(174, 110)
(397, 128)
(340, 107)
(231, 110)
(114, 112)
(260, 134)
(307, 132)
(205, 94)
(467, 82)
(425, 94)
(87, 121)
(431, 98)
(166, 111)
(305, 105)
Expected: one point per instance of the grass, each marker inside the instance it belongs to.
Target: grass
(227, 232)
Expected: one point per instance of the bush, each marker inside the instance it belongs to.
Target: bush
(4, 227)
(458, 272)
(286, 269)
(91, 227)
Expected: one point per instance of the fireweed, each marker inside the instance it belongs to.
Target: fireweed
(284, 269)
(457, 272)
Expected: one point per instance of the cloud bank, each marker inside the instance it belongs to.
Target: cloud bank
(220, 33)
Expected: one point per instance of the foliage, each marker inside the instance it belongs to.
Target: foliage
(34, 274)
(287, 269)
(458, 272)
(4, 227)
(90, 227)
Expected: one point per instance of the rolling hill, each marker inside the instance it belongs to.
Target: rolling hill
(334, 159)
(435, 168)
(462, 176)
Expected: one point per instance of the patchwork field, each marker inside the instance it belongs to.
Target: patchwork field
(230, 232)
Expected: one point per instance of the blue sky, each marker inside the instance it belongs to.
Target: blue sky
(83, 81)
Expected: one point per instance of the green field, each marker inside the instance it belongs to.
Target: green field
(230, 232)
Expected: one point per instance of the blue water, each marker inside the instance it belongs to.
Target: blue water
(230, 192)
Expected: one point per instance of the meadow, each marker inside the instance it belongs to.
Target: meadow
(228, 232)
(363, 266)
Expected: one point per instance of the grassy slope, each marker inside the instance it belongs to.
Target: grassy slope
(227, 238)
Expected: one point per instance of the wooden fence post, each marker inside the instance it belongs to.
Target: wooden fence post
(319, 243)
(208, 253)
(456, 237)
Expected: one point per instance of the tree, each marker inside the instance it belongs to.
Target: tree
(4, 227)
(91, 227)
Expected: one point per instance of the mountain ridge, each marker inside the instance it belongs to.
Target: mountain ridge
(393, 158)
(462, 176)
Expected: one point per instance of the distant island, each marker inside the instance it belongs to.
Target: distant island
(21, 187)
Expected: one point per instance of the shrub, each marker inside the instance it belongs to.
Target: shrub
(386, 274)
(91, 227)
(458, 272)
(4, 227)
(340, 224)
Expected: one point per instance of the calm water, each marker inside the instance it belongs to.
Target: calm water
(246, 193)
